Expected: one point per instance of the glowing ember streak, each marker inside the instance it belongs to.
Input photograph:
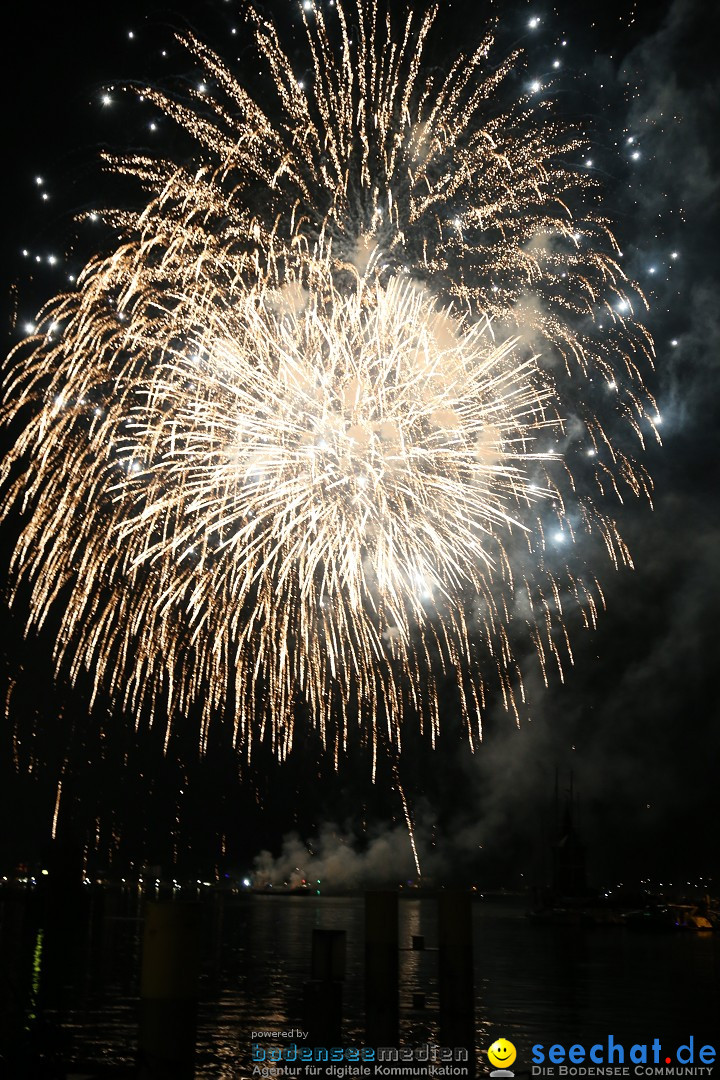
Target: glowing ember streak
(56, 812)
(292, 446)
(408, 822)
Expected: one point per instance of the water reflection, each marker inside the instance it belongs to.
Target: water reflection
(70, 981)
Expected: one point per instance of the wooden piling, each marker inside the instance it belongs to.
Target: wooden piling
(455, 974)
(381, 969)
(169, 991)
(324, 993)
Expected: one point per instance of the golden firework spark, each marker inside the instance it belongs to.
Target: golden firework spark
(294, 440)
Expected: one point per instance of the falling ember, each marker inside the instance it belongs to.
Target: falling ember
(307, 438)
(57, 809)
(408, 822)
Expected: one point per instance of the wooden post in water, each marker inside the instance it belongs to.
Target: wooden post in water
(328, 955)
(324, 993)
(455, 972)
(381, 969)
(169, 991)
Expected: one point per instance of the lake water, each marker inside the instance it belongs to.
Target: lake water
(71, 990)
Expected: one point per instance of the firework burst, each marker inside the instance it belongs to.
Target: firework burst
(295, 442)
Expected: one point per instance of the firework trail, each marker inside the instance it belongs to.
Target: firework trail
(294, 446)
(408, 821)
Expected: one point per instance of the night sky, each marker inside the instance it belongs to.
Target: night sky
(636, 722)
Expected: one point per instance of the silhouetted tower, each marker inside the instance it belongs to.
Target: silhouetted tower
(569, 876)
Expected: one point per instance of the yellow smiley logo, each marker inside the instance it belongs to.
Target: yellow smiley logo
(502, 1053)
